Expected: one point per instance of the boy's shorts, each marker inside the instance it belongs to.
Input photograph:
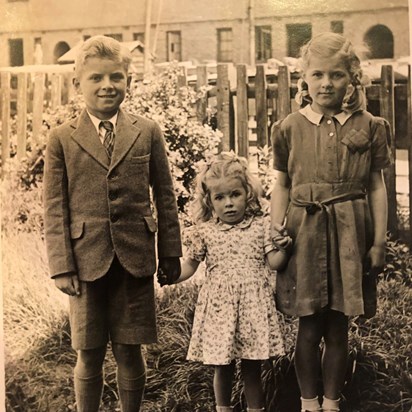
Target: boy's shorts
(116, 307)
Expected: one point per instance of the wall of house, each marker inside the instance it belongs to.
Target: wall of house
(198, 21)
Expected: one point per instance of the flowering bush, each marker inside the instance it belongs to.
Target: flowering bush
(188, 141)
(173, 108)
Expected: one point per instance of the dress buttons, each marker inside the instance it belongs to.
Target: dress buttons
(331, 134)
(114, 218)
(329, 121)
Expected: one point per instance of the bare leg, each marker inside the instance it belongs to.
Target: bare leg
(222, 384)
(252, 378)
(307, 354)
(335, 355)
(88, 379)
(131, 376)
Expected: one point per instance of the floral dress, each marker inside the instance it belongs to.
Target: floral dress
(235, 316)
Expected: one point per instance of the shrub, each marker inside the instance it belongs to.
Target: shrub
(159, 98)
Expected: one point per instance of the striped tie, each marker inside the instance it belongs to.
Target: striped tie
(108, 139)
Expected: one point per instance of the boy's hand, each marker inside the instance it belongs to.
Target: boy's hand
(68, 283)
(168, 271)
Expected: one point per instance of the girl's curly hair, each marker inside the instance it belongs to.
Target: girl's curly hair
(327, 45)
(223, 166)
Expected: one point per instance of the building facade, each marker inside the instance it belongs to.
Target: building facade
(238, 31)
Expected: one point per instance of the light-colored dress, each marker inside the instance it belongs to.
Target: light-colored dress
(329, 161)
(235, 316)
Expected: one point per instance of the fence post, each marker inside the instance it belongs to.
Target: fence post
(283, 106)
(409, 134)
(5, 117)
(56, 90)
(261, 107)
(387, 110)
(223, 100)
(242, 111)
(21, 114)
(38, 97)
(201, 81)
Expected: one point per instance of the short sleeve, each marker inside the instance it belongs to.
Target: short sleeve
(381, 140)
(194, 243)
(280, 147)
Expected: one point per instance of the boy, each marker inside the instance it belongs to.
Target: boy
(100, 232)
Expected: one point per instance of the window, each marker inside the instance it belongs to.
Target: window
(298, 35)
(16, 56)
(174, 46)
(336, 26)
(263, 39)
(224, 45)
(379, 40)
(139, 37)
(116, 36)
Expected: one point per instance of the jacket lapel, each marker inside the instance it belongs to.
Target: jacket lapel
(126, 134)
(86, 136)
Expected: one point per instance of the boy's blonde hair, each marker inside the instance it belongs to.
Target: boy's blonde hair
(328, 45)
(224, 166)
(103, 47)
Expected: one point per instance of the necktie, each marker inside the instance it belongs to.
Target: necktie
(108, 136)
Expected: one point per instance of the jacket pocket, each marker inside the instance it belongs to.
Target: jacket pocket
(150, 223)
(140, 159)
(76, 230)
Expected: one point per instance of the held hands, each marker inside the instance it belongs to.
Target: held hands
(68, 283)
(281, 240)
(168, 271)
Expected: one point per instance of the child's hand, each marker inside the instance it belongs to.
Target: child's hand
(375, 259)
(281, 239)
(168, 271)
(68, 283)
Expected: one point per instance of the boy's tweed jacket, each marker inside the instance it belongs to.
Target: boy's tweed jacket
(95, 208)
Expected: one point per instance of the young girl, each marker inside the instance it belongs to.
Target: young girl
(329, 157)
(235, 316)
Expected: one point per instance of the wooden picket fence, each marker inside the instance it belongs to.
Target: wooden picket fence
(246, 107)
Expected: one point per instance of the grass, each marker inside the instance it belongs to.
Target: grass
(39, 358)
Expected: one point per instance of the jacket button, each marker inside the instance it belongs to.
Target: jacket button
(112, 176)
(114, 218)
(112, 196)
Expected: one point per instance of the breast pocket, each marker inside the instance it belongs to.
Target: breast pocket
(140, 159)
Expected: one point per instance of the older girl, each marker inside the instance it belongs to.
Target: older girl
(329, 156)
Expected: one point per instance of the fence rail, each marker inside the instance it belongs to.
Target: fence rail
(259, 99)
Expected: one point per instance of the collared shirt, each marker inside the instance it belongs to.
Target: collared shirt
(316, 118)
(96, 122)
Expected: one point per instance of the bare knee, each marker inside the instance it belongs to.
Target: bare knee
(90, 361)
(127, 355)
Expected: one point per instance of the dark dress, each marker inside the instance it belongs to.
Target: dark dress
(329, 161)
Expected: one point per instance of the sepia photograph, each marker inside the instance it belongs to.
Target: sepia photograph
(205, 206)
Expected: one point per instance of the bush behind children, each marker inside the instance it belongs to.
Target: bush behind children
(325, 234)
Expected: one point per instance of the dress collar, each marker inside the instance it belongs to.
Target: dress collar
(316, 118)
(244, 224)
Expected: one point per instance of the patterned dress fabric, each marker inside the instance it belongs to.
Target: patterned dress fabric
(235, 316)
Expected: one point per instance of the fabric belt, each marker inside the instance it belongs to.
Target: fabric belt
(313, 206)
